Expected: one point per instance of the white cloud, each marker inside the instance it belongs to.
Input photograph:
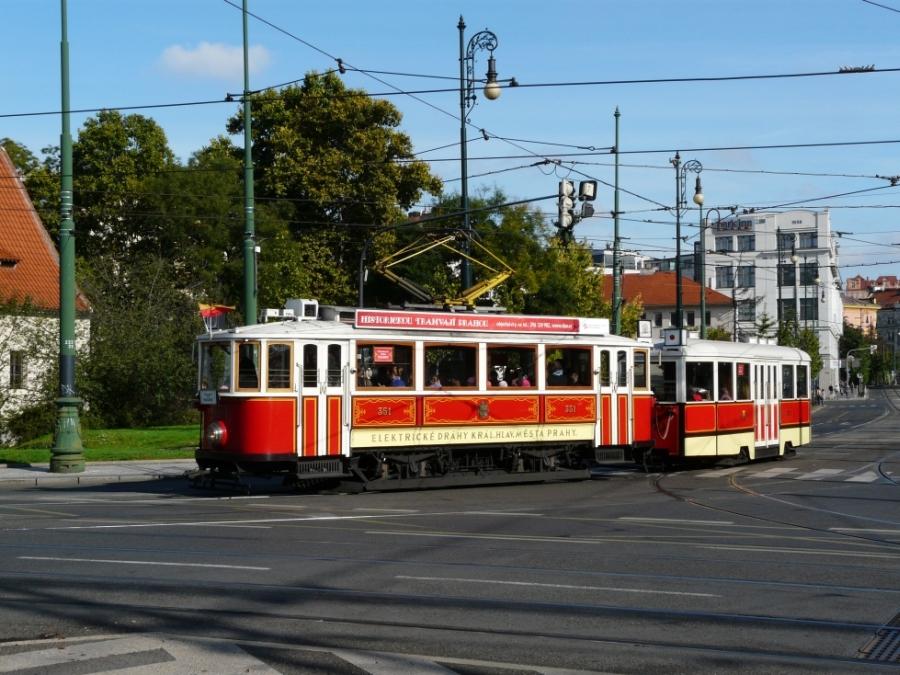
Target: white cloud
(217, 60)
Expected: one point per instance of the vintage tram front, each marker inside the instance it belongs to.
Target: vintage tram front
(412, 396)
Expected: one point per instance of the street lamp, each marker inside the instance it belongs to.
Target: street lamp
(482, 40)
(681, 171)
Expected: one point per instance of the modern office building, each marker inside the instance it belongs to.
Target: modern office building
(779, 266)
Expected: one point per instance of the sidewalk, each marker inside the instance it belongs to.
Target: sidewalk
(95, 473)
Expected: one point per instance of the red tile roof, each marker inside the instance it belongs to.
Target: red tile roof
(658, 290)
(29, 262)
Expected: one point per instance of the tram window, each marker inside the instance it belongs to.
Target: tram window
(622, 369)
(215, 366)
(334, 366)
(640, 369)
(568, 366)
(802, 382)
(604, 368)
(453, 366)
(507, 365)
(726, 381)
(248, 365)
(743, 381)
(278, 374)
(699, 376)
(310, 365)
(787, 381)
(662, 380)
(384, 365)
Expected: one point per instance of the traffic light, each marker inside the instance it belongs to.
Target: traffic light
(587, 192)
(566, 206)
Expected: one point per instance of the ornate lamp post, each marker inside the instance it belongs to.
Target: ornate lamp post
(681, 171)
(481, 40)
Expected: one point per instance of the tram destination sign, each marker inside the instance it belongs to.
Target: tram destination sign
(495, 323)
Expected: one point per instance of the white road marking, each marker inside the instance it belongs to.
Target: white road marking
(720, 472)
(862, 529)
(605, 541)
(820, 474)
(387, 510)
(772, 473)
(380, 663)
(558, 586)
(183, 657)
(500, 513)
(676, 521)
(151, 563)
(867, 477)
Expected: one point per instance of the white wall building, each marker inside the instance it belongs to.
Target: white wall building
(784, 266)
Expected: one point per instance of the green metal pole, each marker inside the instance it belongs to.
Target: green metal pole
(617, 272)
(250, 289)
(702, 265)
(67, 454)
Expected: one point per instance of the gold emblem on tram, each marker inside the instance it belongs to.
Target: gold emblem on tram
(483, 411)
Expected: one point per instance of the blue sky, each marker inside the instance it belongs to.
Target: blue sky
(143, 52)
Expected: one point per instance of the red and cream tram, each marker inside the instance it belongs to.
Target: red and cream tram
(401, 395)
(720, 399)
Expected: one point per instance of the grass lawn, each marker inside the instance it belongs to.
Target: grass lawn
(106, 445)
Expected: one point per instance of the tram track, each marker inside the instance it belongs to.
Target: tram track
(323, 628)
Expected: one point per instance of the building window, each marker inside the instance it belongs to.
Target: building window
(785, 241)
(787, 310)
(786, 274)
(746, 242)
(809, 309)
(808, 240)
(725, 277)
(691, 319)
(708, 319)
(673, 319)
(746, 310)
(657, 319)
(16, 370)
(809, 272)
(724, 244)
(746, 276)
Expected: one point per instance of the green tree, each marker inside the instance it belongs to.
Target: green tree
(764, 325)
(718, 333)
(22, 158)
(139, 370)
(808, 341)
(339, 166)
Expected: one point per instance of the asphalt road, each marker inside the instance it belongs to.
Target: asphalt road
(782, 566)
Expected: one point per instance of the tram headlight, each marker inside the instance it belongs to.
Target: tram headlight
(216, 434)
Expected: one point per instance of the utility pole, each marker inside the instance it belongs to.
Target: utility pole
(67, 454)
(617, 272)
(250, 290)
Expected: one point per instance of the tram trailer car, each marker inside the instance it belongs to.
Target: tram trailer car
(727, 399)
(408, 397)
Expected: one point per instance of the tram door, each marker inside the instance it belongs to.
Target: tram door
(615, 389)
(765, 397)
(324, 399)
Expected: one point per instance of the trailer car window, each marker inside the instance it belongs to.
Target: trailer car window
(568, 366)
(743, 381)
(335, 371)
(640, 369)
(726, 381)
(787, 381)
(802, 382)
(215, 366)
(310, 365)
(508, 364)
(662, 381)
(699, 376)
(384, 365)
(451, 366)
(279, 366)
(604, 368)
(248, 366)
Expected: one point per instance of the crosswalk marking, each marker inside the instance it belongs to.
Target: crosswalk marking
(820, 474)
(720, 472)
(867, 477)
(774, 473)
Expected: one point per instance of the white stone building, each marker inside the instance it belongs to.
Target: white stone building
(782, 265)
